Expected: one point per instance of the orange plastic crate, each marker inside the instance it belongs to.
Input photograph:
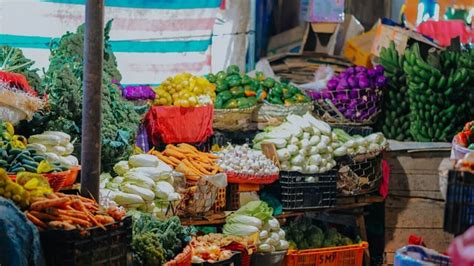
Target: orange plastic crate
(352, 255)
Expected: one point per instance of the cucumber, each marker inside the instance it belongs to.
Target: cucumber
(24, 156)
(14, 151)
(30, 168)
(30, 163)
(63, 168)
(38, 158)
(17, 169)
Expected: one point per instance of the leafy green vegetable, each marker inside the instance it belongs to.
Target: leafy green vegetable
(170, 234)
(258, 209)
(147, 249)
(63, 83)
(13, 60)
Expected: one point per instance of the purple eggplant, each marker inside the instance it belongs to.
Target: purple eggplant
(332, 84)
(379, 69)
(360, 69)
(364, 83)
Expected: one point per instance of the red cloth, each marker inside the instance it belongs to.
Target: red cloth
(17, 80)
(172, 124)
(443, 31)
(383, 190)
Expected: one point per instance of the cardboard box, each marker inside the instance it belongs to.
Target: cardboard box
(350, 28)
(320, 38)
(384, 34)
(357, 49)
(287, 41)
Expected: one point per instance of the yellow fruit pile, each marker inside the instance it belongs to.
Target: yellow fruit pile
(185, 90)
(27, 188)
(7, 133)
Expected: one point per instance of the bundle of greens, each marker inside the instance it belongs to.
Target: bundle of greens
(13, 60)
(156, 242)
(63, 84)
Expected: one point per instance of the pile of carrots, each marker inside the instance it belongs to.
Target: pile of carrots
(68, 212)
(188, 160)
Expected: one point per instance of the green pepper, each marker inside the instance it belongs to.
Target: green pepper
(275, 100)
(221, 85)
(277, 90)
(212, 78)
(221, 75)
(254, 84)
(299, 98)
(269, 83)
(225, 95)
(246, 80)
(218, 103)
(233, 80)
(252, 100)
(243, 102)
(230, 104)
(260, 76)
(233, 69)
(237, 92)
(293, 90)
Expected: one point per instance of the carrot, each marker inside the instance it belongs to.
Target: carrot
(187, 146)
(52, 196)
(91, 217)
(174, 153)
(75, 220)
(163, 158)
(43, 204)
(200, 168)
(215, 170)
(36, 221)
(188, 172)
(104, 219)
(44, 216)
(72, 213)
(209, 155)
(190, 165)
(62, 225)
(174, 160)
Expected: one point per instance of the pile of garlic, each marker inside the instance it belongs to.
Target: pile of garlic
(244, 160)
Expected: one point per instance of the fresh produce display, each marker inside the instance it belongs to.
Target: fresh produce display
(63, 84)
(437, 93)
(353, 145)
(212, 247)
(186, 159)
(303, 234)
(256, 217)
(244, 160)
(144, 183)
(7, 134)
(355, 93)
(68, 212)
(25, 189)
(138, 92)
(55, 146)
(465, 138)
(156, 242)
(236, 90)
(395, 119)
(185, 90)
(304, 144)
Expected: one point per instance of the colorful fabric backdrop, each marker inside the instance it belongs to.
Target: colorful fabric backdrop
(152, 39)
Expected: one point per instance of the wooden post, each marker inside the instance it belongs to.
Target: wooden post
(91, 103)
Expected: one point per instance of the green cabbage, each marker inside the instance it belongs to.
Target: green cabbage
(239, 229)
(258, 209)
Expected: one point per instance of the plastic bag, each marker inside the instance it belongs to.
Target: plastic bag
(321, 77)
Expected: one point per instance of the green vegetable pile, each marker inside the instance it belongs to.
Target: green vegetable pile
(395, 118)
(63, 84)
(303, 234)
(236, 90)
(13, 60)
(437, 93)
(156, 242)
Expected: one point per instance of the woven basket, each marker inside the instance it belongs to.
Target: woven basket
(182, 259)
(360, 174)
(234, 119)
(275, 114)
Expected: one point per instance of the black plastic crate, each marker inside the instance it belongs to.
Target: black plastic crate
(298, 194)
(459, 207)
(221, 137)
(94, 246)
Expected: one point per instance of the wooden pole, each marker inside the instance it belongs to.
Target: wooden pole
(91, 103)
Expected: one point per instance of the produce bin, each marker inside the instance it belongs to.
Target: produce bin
(182, 259)
(235, 260)
(419, 256)
(459, 207)
(235, 119)
(268, 259)
(296, 193)
(347, 255)
(360, 174)
(93, 246)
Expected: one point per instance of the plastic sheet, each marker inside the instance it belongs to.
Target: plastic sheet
(19, 238)
(172, 124)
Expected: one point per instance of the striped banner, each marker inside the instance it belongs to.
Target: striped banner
(152, 39)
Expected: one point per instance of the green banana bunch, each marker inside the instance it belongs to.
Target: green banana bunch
(436, 90)
(395, 120)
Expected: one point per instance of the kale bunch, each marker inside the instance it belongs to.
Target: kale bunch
(63, 84)
(147, 249)
(13, 60)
